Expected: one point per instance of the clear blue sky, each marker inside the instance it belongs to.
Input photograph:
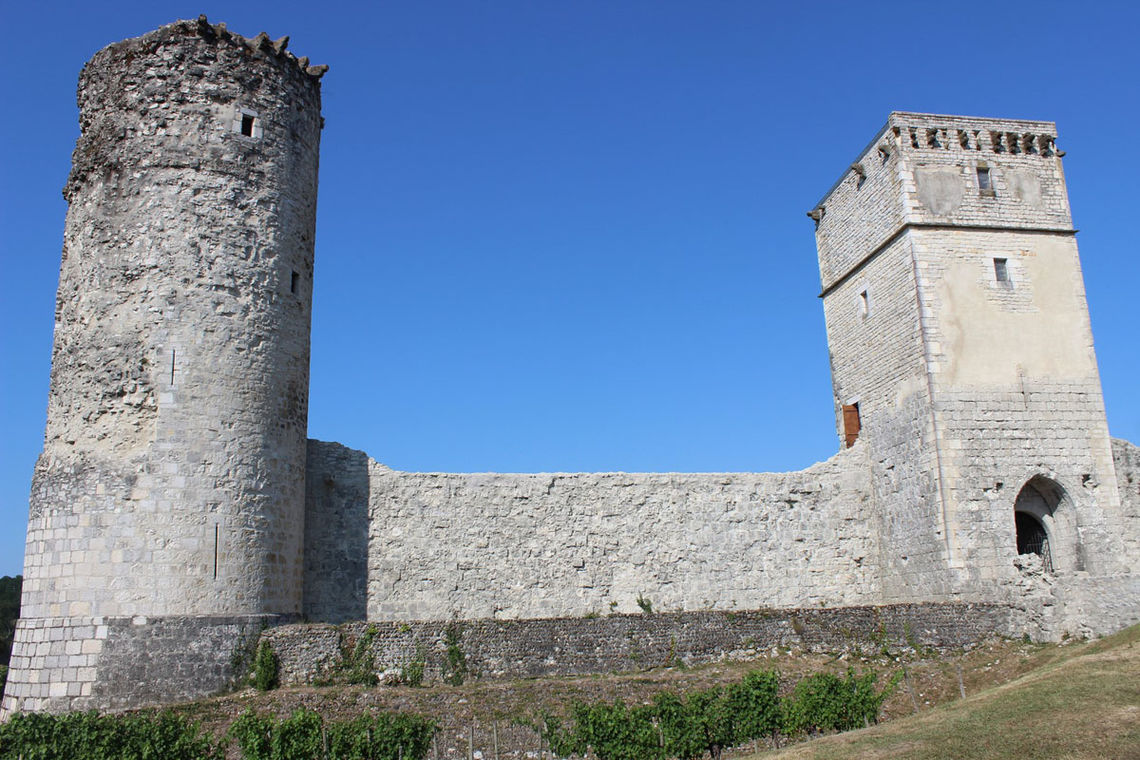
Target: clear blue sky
(571, 235)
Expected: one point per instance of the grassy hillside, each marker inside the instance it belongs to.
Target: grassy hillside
(488, 715)
(1001, 699)
(1084, 705)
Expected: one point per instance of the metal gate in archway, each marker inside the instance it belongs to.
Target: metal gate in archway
(1032, 538)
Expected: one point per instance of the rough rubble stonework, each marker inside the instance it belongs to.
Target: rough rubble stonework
(171, 484)
(492, 545)
(177, 507)
(621, 642)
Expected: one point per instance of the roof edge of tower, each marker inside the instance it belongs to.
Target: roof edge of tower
(898, 119)
(262, 44)
(862, 152)
(1038, 125)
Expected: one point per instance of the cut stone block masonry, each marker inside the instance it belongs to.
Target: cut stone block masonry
(178, 508)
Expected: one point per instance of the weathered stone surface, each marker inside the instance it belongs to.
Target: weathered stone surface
(172, 477)
(177, 505)
(957, 324)
(608, 643)
(122, 662)
(1126, 457)
(495, 545)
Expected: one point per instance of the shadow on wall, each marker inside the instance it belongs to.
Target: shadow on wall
(336, 533)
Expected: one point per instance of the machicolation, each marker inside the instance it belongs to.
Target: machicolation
(178, 507)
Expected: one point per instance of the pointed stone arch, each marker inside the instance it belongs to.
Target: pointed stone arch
(1044, 523)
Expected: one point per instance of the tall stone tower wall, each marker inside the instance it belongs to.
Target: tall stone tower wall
(962, 351)
(172, 478)
(877, 365)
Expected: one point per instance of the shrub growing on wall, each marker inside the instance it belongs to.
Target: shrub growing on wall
(455, 664)
(265, 667)
(358, 664)
(412, 671)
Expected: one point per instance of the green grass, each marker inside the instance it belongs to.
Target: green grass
(1085, 704)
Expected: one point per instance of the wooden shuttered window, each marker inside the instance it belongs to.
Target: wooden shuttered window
(850, 424)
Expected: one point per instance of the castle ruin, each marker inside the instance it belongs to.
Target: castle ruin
(178, 508)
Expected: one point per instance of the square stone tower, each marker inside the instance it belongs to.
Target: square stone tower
(962, 356)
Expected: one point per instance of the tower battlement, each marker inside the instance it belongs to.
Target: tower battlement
(922, 131)
(253, 47)
(930, 170)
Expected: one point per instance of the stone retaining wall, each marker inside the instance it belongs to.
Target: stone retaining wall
(61, 664)
(1126, 458)
(587, 645)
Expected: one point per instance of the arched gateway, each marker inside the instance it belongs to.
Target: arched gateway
(1040, 517)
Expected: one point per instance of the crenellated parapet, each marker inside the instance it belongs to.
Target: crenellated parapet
(1011, 137)
(948, 171)
(261, 45)
(190, 94)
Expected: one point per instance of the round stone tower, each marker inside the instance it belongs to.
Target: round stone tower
(167, 509)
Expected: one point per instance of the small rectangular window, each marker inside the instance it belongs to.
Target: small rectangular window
(247, 124)
(1001, 271)
(985, 182)
(293, 282)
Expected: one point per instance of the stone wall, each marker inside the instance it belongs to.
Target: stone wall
(1126, 457)
(114, 663)
(608, 643)
(171, 483)
(875, 341)
(445, 546)
(336, 533)
(172, 476)
(1017, 396)
(491, 545)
